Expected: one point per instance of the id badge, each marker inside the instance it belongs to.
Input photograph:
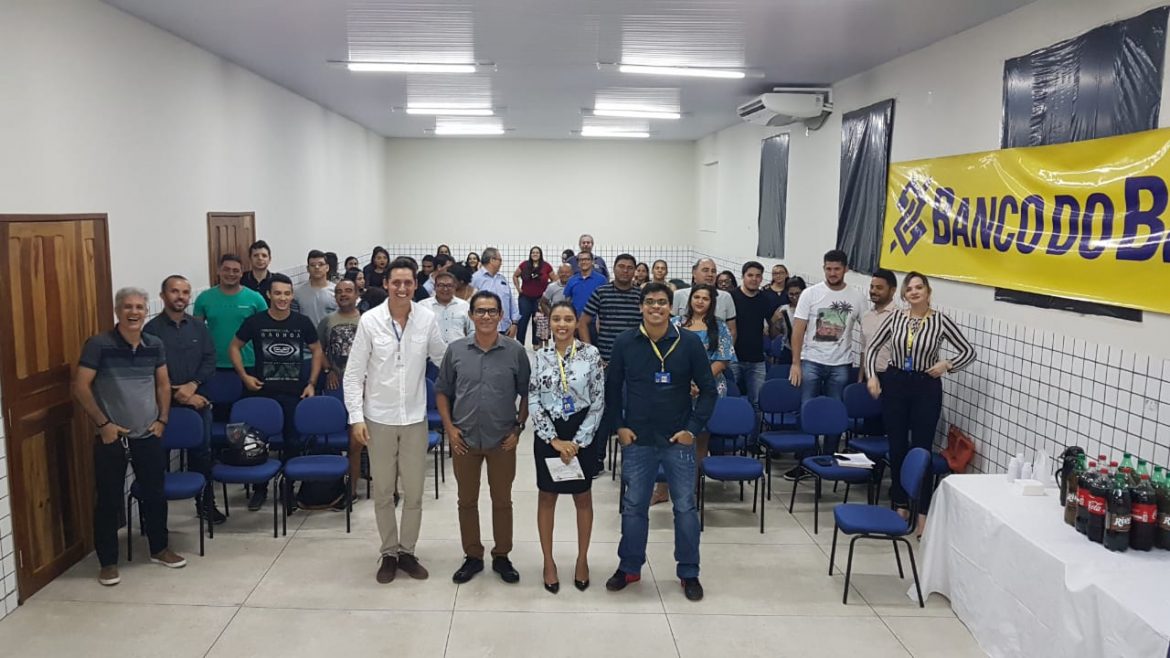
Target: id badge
(908, 366)
(568, 406)
(662, 377)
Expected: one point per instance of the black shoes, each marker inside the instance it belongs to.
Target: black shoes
(693, 589)
(388, 569)
(211, 516)
(581, 584)
(503, 566)
(618, 581)
(795, 473)
(257, 499)
(553, 588)
(471, 566)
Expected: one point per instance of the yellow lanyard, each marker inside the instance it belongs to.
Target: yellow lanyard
(654, 346)
(912, 334)
(561, 363)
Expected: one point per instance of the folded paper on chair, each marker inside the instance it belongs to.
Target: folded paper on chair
(562, 472)
(853, 460)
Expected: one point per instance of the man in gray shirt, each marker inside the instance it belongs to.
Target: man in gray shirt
(315, 299)
(481, 379)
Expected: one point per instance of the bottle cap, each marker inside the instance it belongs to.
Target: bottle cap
(1092, 464)
(1145, 476)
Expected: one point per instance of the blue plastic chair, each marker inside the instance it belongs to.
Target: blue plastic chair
(875, 522)
(732, 388)
(861, 407)
(781, 400)
(823, 417)
(778, 371)
(434, 420)
(222, 391)
(265, 415)
(184, 431)
(322, 421)
(733, 421)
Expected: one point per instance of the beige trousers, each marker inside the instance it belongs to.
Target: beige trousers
(398, 453)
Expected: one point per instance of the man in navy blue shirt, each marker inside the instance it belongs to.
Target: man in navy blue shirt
(648, 398)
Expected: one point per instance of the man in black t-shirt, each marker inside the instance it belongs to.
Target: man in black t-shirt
(279, 339)
(756, 311)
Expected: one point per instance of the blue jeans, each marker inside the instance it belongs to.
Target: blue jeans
(528, 307)
(817, 379)
(639, 469)
(749, 377)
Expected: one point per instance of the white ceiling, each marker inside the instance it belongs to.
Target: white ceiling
(546, 51)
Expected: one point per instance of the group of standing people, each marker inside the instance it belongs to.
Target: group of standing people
(639, 356)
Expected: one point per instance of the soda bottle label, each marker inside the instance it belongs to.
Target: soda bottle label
(1117, 522)
(1082, 496)
(1096, 504)
(1165, 522)
(1144, 513)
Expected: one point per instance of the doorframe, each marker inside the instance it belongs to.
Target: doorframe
(105, 321)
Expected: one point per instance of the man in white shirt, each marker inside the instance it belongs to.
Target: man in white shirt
(705, 271)
(821, 359)
(386, 398)
(452, 313)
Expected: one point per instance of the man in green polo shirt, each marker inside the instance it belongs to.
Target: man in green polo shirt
(225, 307)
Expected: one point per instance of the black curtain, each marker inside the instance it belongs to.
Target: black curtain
(1103, 83)
(773, 196)
(865, 163)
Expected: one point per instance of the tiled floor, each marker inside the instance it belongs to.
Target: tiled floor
(313, 593)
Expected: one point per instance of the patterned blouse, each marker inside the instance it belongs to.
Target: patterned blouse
(725, 352)
(586, 379)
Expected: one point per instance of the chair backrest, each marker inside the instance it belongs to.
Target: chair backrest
(264, 414)
(432, 405)
(732, 417)
(320, 415)
(224, 388)
(732, 387)
(824, 416)
(778, 371)
(914, 469)
(859, 404)
(184, 430)
(778, 396)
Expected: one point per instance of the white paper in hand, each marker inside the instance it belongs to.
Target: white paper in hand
(562, 472)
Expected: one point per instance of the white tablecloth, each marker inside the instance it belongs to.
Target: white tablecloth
(1027, 584)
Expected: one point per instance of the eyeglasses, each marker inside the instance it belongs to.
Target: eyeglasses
(444, 285)
(486, 312)
(661, 303)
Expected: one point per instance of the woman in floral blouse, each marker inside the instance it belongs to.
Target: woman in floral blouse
(566, 398)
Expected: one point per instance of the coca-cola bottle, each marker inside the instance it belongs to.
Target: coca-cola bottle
(1084, 482)
(1143, 533)
(1071, 487)
(1118, 516)
(1096, 502)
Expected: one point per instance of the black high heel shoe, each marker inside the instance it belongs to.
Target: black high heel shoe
(552, 588)
(581, 584)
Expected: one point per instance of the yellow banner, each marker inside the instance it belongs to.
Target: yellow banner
(1086, 220)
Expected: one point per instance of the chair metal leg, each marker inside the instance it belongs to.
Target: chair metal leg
(201, 550)
(741, 491)
(846, 493)
(129, 529)
(282, 482)
(227, 509)
(436, 476)
(443, 468)
(211, 502)
(833, 552)
(792, 500)
(817, 505)
(760, 491)
(768, 470)
(849, 570)
(755, 490)
(275, 505)
(898, 559)
(349, 499)
(914, 571)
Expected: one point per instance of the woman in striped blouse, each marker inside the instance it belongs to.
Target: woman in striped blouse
(911, 388)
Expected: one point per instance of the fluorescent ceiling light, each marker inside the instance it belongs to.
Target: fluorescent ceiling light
(468, 130)
(410, 67)
(597, 131)
(635, 114)
(453, 111)
(691, 71)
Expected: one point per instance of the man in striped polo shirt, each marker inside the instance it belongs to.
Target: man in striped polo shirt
(122, 384)
(615, 307)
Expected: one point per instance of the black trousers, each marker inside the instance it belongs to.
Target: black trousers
(911, 406)
(109, 462)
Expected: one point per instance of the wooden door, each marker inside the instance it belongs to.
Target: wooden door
(229, 233)
(54, 293)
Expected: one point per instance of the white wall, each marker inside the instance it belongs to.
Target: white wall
(494, 191)
(947, 101)
(101, 112)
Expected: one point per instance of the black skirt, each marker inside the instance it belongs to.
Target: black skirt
(566, 429)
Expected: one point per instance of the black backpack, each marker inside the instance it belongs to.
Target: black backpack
(246, 446)
(320, 494)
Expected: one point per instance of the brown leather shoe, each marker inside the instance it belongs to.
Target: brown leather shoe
(108, 576)
(388, 569)
(409, 564)
(169, 558)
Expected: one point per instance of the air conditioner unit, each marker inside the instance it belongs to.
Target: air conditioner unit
(785, 105)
